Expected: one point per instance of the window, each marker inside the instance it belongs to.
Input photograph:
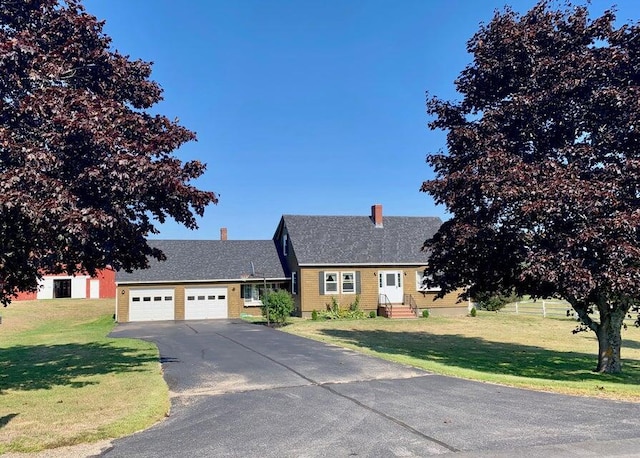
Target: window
(420, 283)
(253, 292)
(294, 282)
(348, 282)
(168, 298)
(157, 298)
(331, 282)
(285, 240)
(200, 298)
(146, 299)
(211, 298)
(191, 298)
(135, 299)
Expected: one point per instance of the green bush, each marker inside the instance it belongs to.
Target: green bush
(493, 301)
(425, 313)
(473, 312)
(314, 315)
(372, 314)
(277, 306)
(335, 312)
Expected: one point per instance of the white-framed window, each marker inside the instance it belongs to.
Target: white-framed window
(294, 282)
(421, 285)
(348, 280)
(252, 293)
(330, 282)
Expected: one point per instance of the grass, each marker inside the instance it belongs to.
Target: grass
(523, 351)
(63, 382)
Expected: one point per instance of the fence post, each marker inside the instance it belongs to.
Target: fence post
(544, 310)
(516, 307)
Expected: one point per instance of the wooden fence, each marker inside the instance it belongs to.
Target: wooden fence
(552, 308)
(547, 308)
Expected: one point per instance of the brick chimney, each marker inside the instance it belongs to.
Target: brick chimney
(223, 233)
(376, 214)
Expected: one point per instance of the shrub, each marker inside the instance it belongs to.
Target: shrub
(279, 305)
(473, 311)
(314, 315)
(372, 314)
(335, 312)
(493, 301)
(425, 313)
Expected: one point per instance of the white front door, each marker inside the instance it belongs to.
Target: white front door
(390, 282)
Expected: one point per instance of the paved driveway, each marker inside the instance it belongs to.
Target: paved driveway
(246, 390)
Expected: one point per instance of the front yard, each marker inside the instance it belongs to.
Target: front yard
(63, 382)
(516, 350)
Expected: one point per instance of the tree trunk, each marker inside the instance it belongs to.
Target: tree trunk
(609, 340)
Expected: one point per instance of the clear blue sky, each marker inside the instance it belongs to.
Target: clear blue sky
(305, 106)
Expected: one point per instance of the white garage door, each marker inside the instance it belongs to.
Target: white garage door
(151, 304)
(205, 303)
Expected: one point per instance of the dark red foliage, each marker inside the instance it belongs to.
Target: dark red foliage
(542, 169)
(85, 172)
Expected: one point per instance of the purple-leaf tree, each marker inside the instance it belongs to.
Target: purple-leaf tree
(86, 173)
(541, 173)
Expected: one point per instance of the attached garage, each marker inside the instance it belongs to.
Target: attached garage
(205, 303)
(199, 280)
(151, 304)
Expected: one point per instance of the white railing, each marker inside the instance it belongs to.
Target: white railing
(546, 308)
(551, 308)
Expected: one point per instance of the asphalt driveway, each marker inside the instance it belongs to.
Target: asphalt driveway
(243, 390)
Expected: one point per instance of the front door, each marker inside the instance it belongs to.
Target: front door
(390, 282)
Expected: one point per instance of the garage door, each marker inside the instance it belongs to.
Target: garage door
(205, 303)
(151, 304)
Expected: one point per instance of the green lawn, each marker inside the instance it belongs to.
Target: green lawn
(63, 382)
(524, 351)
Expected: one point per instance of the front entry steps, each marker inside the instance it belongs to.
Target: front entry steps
(397, 311)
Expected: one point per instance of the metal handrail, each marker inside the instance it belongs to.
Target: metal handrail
(411, 302)
(384, 301)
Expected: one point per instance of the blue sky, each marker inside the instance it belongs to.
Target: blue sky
(305, 106)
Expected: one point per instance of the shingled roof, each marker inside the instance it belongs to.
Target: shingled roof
(327, 240)
(200, 260)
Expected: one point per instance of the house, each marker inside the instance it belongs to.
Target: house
(379, 259)
(201, 279)
(100, 286)
(317, 258)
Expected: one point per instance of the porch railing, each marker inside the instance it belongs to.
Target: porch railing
(411, 302)
(383, 301)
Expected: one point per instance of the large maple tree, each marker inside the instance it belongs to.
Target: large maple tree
(86, 171)
(541, 173)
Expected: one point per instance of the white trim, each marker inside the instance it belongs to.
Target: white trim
(353, 281)
(365, 264)
(224, 280)
(336, 282)
(423, 288)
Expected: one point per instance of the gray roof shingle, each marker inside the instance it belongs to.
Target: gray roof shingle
(193, 260)
(326, 240)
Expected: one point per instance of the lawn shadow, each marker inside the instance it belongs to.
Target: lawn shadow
(486, 356)
(6, 419)
(34, 367)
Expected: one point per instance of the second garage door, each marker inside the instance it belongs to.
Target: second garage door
(205, 303)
